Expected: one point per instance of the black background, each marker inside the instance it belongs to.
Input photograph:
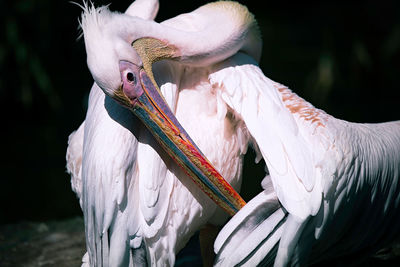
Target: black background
(343, 58)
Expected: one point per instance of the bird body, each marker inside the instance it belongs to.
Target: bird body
(139, 206)
(134, 189)
(360, 208)
(333, 187)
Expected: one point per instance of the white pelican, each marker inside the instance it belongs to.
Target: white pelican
(330, 181)
(139, 207)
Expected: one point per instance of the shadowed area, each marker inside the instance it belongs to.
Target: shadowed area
(42, 244)
(62, 243)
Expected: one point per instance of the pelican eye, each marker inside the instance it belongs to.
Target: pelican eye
(130, 77)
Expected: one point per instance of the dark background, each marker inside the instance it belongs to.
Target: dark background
(343, 58)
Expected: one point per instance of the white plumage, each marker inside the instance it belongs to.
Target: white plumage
(336, 184)
(139, 206)
(330, 182)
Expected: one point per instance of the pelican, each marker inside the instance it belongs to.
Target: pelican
(332, 187)
(139, 206)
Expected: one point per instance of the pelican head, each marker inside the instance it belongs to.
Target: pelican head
(107, 45)
(121, 50)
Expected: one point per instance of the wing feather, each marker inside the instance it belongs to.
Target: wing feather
(108, 171)
(154, 189)
(155, 180)
(277, 129)
(248, 237)
(74, 160)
